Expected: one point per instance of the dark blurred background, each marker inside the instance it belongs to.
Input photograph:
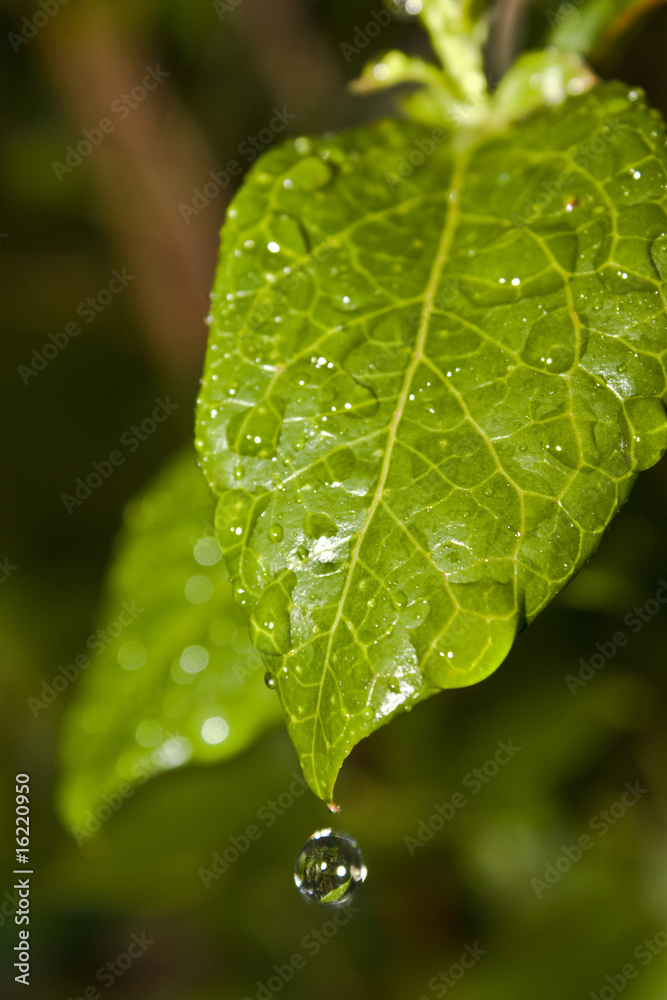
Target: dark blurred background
(121, 246)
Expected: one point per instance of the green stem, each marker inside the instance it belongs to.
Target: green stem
(457, 38)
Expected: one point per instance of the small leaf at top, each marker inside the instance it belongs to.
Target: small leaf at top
(597, 28)
(435, 368)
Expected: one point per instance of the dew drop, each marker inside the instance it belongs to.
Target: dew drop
(269, 680)
(276, 533)
(329, 867)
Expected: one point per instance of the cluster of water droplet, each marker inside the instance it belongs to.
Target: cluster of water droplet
(329, 867)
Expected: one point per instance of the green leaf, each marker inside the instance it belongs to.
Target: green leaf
(176, 678)
(434, 371)
(538, 79)
(456, 88)
(596, 28)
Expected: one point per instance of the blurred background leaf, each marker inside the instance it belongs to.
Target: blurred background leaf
(598, 29)
(173, 676)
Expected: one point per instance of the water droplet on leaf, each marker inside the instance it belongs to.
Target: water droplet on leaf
(269, 680)
(310, 174)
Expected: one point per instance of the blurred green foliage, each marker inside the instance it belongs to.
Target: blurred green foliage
(171, 676)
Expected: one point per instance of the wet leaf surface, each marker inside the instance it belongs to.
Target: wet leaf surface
(434, 371)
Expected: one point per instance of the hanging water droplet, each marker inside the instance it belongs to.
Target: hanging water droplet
(269, 680)
(329, 867)
(333, 807)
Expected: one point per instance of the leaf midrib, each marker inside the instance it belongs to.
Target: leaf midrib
(453, 198)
